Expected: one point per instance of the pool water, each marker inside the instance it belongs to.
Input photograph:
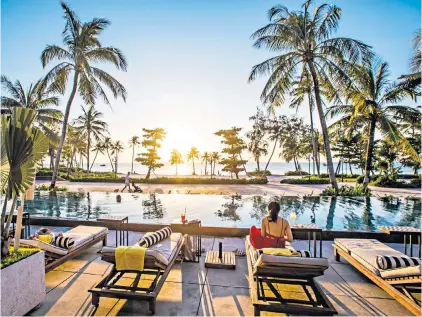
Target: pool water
(354, 214)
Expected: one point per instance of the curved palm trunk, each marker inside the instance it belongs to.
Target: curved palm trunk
(323, 126)
(369, 152)
(314, 148)
(193, 164)
(111, 162)
(271, 156)
(95, 157)
(206, 167)
(88, 147)
(64, 130)
(133, 156)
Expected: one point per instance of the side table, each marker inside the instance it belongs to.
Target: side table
(119, 223)
(314, 229)
(405, 231)
(194, 231)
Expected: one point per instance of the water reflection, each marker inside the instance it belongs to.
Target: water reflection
(228, 210)
(153, 207)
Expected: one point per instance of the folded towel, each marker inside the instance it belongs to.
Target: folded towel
(46, 238)
(130, 258)
(280, 252)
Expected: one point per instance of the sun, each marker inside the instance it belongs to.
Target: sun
(181, 138)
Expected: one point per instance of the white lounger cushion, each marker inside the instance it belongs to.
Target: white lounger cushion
(291, 261)
(366, 251)
(81, 234)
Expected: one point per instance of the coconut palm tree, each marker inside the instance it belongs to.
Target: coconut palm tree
(413, 80)
(81, 49)
(373, 105)
(176, 158)
(205, 158)
(36, 97)
(192, 155)
(133, 142)
(97, 148)
(215, 156)
(90, 124)
(116, 148)
(107, 143)
(306, 44)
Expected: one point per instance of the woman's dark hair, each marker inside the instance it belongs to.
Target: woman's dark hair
(274, 208)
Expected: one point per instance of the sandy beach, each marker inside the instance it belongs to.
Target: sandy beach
(273, 188)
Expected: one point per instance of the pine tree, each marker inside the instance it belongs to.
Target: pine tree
(234, 147)
(151, 143)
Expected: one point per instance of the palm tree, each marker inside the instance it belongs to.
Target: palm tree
(90, 123)
(205, 158)
(413, 80)
(133, 142)
(82, 47)
(374, 106)
(97, 148)
(257, 145)
(192, 155)
(38, 98)
(107, 146)
(306, 45)
(215, 158)
(176, 158)
(116, 148)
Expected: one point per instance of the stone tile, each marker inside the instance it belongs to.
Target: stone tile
(225, 301)
(79, 262)
(231, 278)
(350, 306)
(96, 267)
(174, 299)
(55, 278)
(332, 283)
(70, 298)
(387, 307)
(358, 282)
(207, 243)
(229, 244)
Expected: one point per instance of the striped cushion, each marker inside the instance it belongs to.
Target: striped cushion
(155, 237)
(386, 262)
(64, 242)
(304, 253)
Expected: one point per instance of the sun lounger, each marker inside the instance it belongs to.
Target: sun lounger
(84, 238)
(159, 260)
(286, 284)
(400, 283)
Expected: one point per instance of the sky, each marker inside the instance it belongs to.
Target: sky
(188, 60)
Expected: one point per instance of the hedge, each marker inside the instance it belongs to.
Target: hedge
(178, 180)
(296, 173)
(259, 173)
(386, 182)
(305, 181)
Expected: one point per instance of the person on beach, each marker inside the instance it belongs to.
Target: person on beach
(274, 232)
(127, 182)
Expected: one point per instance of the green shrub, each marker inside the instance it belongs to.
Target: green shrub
(259, 173)
(359, 180)
(175, 180)
(325, 175)
(347, 191)
(305, 180)
(15, 256)
(386, 181)
(408, 176)
(296, 173)
(45, 187)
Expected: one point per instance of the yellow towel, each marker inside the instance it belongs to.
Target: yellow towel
(280, 252)
(130, 258)
(47, 238)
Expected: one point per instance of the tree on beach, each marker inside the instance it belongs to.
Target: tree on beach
(192, 155)
(234, 147)
(133, 142)
(116, 148)
(307, 46)
(97, 148)
(176, 159)
(206, 158)
(215, 157)
(151, 142)
(107, 143)
(371, 104)
(90, 124)
(413, 80)
(257, 144)
(82, 48)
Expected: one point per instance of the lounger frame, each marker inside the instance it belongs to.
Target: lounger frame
(318, 306)
(398, 288)
(107, 286)
(53, 260)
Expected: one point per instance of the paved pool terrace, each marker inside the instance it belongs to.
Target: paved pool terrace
(193, 290)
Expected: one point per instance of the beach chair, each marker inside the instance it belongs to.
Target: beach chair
(286, 284)
(403, 284)
(84, 238)
(159, 260)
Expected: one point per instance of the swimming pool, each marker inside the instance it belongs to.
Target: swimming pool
(354, 214)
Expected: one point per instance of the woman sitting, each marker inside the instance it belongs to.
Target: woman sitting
(275, 231)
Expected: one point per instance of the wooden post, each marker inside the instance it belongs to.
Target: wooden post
(220, 250)
(19, 223)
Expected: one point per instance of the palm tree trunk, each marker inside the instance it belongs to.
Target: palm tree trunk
(193, 164)
(369, 152)
(323, 126)
(176, 170)
(313, 137)
(148, 173)
(133, 156)
(206, 162)
(111, 162)
(87, 154)
(269, 159)
(257, 163)
(95, 157)
(64, 130)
